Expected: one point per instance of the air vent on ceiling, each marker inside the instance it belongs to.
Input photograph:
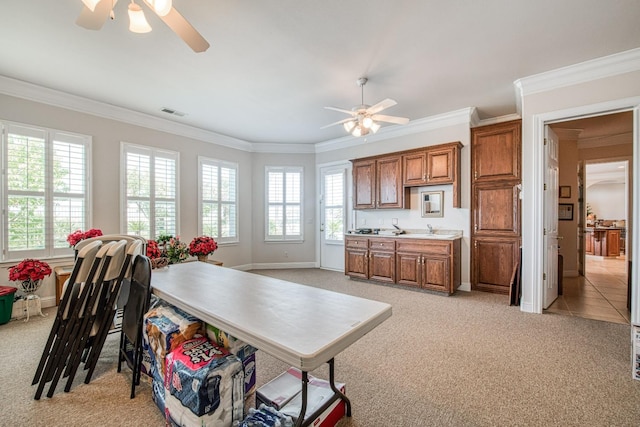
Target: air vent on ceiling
(172, 111)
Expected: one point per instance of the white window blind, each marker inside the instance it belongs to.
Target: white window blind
(151, 191)
(218, 199)
(334, 200)
(284, 203)
(46, 191)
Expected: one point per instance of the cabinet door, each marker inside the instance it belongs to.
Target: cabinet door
(496, 210)
(613, 243)
(588, 243)
(440, 166)
(356, 263)
(414, 168)
(364, 187)
(436, 274)
(495, 152)
(389, 183)
(492, 264)
(382, 266)
(408, 268)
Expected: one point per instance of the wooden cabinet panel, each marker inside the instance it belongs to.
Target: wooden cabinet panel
(588, 243)
(496, 210)
(356, 263)
(389, 183)
(436, 273)
(613, 242)
(382, 266)
(408, 269)
(364, 188)
(495, 152)
(415, 168)
(440, 166)
(494, 260)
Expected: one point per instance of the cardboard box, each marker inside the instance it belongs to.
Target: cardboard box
(286, 392)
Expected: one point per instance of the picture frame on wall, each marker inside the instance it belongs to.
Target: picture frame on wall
(565, 192)
(565, 212)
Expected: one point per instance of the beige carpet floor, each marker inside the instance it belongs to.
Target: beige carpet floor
(464, 360)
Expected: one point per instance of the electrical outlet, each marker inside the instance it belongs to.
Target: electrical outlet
(363, 221)
(394, 221)
(286, 254)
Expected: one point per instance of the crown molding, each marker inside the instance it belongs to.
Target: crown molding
(32, 92)
(462, 116)
(496, 120)
(606, 66)
(281, 148)
(609, 140)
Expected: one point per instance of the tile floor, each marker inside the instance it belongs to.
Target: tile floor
(601, 295)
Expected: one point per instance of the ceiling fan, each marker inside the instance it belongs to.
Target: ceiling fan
(95, 13)
(364, 118)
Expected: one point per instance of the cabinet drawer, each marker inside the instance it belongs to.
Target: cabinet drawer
(424, 246)
(356, 242)
(382, 244)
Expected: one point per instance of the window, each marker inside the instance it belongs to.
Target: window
(284, 203)
(219, 199)
(333, 206)
(45, 190)
(151, 191)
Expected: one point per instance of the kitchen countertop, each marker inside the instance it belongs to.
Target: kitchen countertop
(418, 234)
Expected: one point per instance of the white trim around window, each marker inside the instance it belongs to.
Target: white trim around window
(284, 219)
(218, 199)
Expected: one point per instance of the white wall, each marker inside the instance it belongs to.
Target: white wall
(561, 101)
(607, 201)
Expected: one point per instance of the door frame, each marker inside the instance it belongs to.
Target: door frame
(536, 245)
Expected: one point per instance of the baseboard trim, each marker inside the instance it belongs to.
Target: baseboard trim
(19, 310)
(464, 286)
(281, 265)
(570, 273)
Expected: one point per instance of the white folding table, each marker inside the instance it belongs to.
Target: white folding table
(300, 325)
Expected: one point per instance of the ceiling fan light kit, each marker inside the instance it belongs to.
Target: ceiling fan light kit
(95, 13)
(364, 118)
(137, 21)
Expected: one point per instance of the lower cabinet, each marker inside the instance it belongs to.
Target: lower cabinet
(419, 263)
(493, 263)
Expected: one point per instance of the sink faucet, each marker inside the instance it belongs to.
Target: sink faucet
(430, 229)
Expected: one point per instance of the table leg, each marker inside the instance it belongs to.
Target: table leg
(27, 302)
(337, 395)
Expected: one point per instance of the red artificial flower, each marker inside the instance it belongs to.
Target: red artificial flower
(203, 245)
(29, 269)
(153, 251)
(79, 235)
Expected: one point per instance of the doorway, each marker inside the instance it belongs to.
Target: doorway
(596, 186)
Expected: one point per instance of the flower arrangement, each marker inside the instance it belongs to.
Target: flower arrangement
(79, 235)
(202, 246)
(177, 251)
(153, 250)
(29, 269)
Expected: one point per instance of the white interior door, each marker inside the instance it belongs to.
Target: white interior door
(550, 276)
(333, 219)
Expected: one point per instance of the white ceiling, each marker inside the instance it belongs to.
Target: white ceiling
(274, 64)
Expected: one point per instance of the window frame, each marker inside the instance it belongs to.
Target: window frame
(50, 137)
(334, 171)
(284, 237)
(153, 153)
(202, 161)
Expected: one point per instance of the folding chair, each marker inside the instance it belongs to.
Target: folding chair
(63, 346)
(79, 274)
(102, 326)
(94, 310)
(132, 319)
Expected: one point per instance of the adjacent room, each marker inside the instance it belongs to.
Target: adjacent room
(358, 213)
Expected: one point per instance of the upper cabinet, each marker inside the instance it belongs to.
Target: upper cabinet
(496, 152)
(377, 183)
(382, 182)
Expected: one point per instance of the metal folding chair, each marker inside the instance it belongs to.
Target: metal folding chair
(79, 274)
(132, 319)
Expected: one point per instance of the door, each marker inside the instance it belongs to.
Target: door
(583, 238)
(332, 216)
(550, 239)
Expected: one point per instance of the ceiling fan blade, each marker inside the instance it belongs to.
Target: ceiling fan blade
(96, 19)
(390, 119)
(337, 123)
(381, 106)
(183, 29)
(342, 110)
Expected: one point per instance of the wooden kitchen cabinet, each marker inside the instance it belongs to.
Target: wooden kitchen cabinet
(495, 152)
(421, 263)
(602, 242)
(493, 263)
(495, 205)
(415, 168)
(377, 183)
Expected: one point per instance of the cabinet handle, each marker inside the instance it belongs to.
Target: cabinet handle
(424, 177)
(475, 227)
